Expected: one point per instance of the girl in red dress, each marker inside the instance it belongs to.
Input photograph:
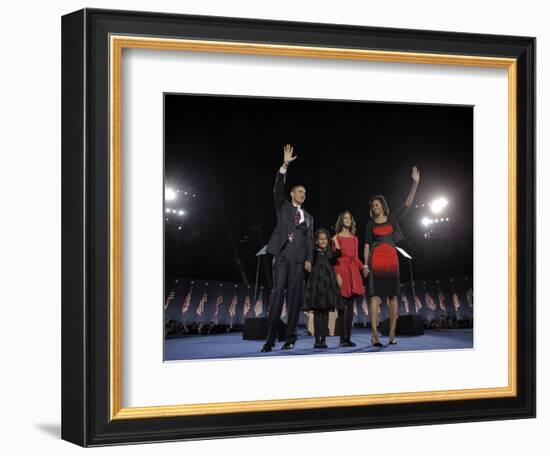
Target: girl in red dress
(348, 269)
(381, 261)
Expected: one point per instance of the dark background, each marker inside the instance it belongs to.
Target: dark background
(226, 152)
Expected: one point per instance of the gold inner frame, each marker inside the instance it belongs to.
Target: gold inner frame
(117, 44)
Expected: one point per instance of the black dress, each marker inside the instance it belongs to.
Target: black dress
(322, 291)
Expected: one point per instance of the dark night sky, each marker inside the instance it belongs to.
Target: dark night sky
(227, 150)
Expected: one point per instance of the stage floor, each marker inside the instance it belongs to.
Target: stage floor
(232, 345)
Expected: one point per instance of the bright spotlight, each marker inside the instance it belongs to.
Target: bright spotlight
(169, 194)
(168, 210)
(426, 221)
(181, 213)
(438, 205)
(174, 211)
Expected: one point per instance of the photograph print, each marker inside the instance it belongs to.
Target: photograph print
(316, 227)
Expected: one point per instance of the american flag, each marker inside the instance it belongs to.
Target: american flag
(365, 305)
(441, 297)
(470, 297)
(170, 299)
(456, 301)
(233, 306)
(405, 300)
(417, 304)
(187, 301)
(246, 307)
(202, 303)
(259, 307)
(219, 302)
(430, 302)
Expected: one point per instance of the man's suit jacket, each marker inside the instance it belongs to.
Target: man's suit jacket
(285, 221)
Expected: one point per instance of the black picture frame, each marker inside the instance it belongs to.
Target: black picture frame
(85, 228)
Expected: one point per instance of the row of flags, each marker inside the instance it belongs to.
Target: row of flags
(429, 301)
(258, 309)
(432, 305)
(232, 311)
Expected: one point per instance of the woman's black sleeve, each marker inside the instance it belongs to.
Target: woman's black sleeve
(400, 212)
(368, 234)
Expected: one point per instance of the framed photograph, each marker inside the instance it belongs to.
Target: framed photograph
(278, 227)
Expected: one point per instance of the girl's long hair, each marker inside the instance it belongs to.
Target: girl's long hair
(384, 203)
(340, 223)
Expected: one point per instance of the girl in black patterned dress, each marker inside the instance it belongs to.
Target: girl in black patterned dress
(322, 293)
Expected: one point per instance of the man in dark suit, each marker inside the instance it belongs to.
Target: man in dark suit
(291, 245)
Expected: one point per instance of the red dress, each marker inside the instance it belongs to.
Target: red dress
(384, 264)
(384, 257)
(349, 267)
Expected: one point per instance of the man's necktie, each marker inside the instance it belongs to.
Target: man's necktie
(296, 222)
(296, 217)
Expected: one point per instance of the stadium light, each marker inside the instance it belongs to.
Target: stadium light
(170, 194)
(438, 205)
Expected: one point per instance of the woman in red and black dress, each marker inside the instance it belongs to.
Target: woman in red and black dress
(381, 262)
(348, 274)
